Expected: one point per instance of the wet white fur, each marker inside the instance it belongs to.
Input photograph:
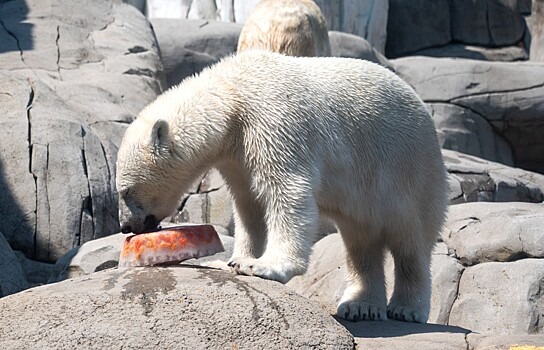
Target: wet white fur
(295, 138)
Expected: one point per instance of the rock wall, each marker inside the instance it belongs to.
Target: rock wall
(74, 74)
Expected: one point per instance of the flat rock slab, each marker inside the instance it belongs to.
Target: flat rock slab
(485, 232)
(169, 308)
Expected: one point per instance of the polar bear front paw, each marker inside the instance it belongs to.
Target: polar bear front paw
(260, 268)
(406, 313)
(360, 310)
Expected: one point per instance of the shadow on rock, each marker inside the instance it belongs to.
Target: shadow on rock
(388, 329)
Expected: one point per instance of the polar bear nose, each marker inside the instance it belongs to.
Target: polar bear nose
(126, 229)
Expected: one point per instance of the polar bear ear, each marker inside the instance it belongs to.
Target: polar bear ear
(160, 135)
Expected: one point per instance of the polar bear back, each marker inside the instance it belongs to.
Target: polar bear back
(353, 127)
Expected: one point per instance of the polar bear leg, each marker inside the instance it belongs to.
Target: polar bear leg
(364, 297)
(411, 296)
(249, 227)
(291, 229)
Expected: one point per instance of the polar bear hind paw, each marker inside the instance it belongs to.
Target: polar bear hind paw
(259, 268)
(359, 310)
(406, 313)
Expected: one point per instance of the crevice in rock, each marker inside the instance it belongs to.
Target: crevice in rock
(29, 105)
(139, 71)
(136, 49)
(58, 51)
(87, 205)
(456, 295)
(10, 33)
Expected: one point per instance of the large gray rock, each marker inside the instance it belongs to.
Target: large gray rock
(462, 130)
(186, 308)
(487, 22)
(484, 232)
(84, 70)
(188, 46)
(501, 298)
(353, 46)
(413, 25)
(509, 96)
(472, 179)
(36, 272)
(12, 277)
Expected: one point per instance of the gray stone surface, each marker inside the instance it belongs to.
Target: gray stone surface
(207, 202)
(413, 25)
(510, 96)
(473, 179)
(36, 272)
(12, 276)
(484, 232)
(353, 46)
(462, 130)
(501, 298)
(506, 53)
(75, 73)
(176, 307)
(188, 46)
(487, 22)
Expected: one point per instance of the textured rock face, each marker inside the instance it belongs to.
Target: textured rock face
(415, 25)
(509, 96)
(353, 46)
(179, 307)
(74, 74)
(12, 277)
(472, 179)
(501, 232)
(188, 46)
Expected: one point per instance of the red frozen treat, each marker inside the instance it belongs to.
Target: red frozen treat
(170, 245)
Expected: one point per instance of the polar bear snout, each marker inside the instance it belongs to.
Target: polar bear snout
(150, 223)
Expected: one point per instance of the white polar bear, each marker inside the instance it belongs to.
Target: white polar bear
(291, 27)
(295, 138)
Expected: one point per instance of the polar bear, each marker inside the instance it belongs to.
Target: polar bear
(291, 27)
(295, 138)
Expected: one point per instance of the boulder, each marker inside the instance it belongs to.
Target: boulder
(175, 307)
(484, 232)
(413, 25)
(36, 272)
(472, 179)
(188, 46)
(353, 46)
(487, 22)
(509, 96)
(462, 130)
(12, 276)
(84, 70)
(501, 298)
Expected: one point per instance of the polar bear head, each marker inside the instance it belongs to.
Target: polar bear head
(148, 189)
